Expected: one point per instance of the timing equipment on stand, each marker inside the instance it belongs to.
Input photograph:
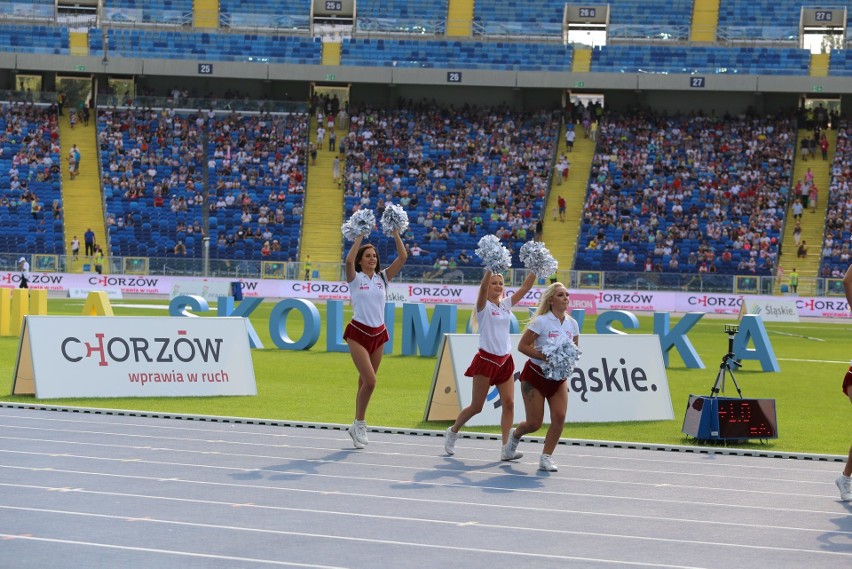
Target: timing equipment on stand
(715, 418)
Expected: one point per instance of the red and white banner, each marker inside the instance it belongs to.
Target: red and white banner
(591, 301)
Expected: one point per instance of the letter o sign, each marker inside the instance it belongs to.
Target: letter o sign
(278, 324)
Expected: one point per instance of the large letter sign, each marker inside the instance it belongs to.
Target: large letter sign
(677, 337)
(414, 333)
(278, 324)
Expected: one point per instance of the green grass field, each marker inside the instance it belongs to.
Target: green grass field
(317, 386)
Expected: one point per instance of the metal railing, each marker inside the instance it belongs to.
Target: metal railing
(415, 273)
(191, 104)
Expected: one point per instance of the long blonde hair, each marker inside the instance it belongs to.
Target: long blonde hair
(544, 302)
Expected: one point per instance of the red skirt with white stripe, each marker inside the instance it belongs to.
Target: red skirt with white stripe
(368, 336)
(533, 375)
(847, 381)
(497, 369)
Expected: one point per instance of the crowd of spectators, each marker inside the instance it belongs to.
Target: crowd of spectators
(30, 200)
(838, 221)
(461, 173)
(693, 194)
(153, 161)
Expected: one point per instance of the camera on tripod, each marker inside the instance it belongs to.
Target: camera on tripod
(731, 330)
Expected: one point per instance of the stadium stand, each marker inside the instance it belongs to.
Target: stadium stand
(24, 38)
(840, 63)
(460, 174)
(259, 48)
(675, 59)
(838, 227)
(628, 18)
(455, 54)
(30, 180)
(152, 162)
(402, 16)
(687, 194)
(148, 11)
(29, 10)
(764, 19)
(287, 14)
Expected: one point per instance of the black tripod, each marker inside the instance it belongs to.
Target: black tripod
(727, 365)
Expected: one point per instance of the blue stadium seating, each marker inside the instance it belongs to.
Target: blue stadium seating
(840, 63)
(34, 39)
(499, 188)
(174, 144)
(210, 46)
(456, 54)
(628, 18)
(19, 230)
(714, 60)
(631, 200)
(765, 19)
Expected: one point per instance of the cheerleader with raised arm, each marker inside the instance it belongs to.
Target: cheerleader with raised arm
(492, 364)
(366, 333)
(550, 342)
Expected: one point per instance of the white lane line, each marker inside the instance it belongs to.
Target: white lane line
(294, 447)
(9, 536)
(315, 510)
(691, 541)
(205, 428)
(364, 464)
(797, 335)
(503, 490)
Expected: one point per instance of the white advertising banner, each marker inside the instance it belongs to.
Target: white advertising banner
(83, 293)
(208, 289)
(634, 301)
(618, 378)
(124, 356)
(772, 309)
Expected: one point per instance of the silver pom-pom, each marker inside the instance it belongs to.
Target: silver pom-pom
(494, 256)
(562, 356)
(360, 223)
(537, 258)
(394, 218)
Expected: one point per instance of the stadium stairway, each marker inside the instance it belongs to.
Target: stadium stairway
(819, 64)
(813, 224)
(582, 62)
(321, 236)
(205, 13)
(561, 237)
(330, 53)
(78, 42)
(460, 18)
(81, 197)
(705, 20)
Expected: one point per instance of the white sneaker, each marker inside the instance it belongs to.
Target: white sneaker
(361, 432)
(509, 451)
(353, 433)
(450, 439)
(844, 483)
(545, 463)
